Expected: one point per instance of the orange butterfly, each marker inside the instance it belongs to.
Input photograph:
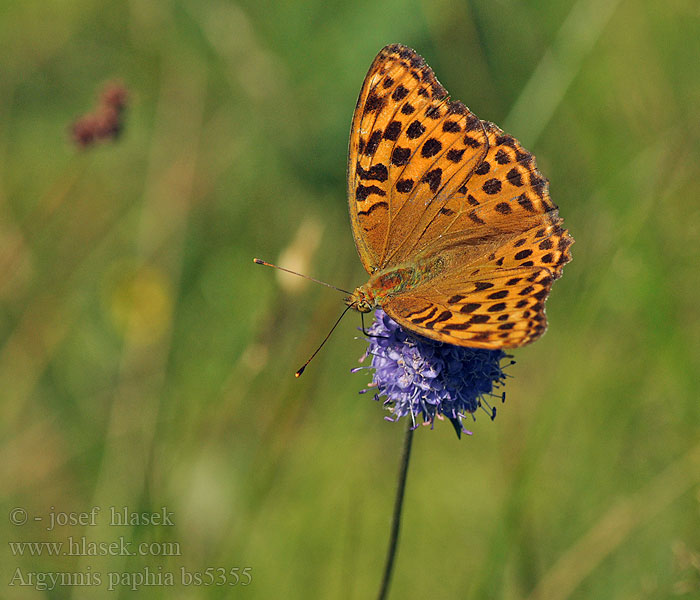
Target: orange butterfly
(451, 218)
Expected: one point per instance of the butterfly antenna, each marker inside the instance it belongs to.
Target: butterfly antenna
(257, 261)
(301, 370)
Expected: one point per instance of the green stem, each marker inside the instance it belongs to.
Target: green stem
(398, 504)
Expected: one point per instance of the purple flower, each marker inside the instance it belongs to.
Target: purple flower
(423, 378)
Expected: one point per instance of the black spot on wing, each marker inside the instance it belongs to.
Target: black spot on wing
(483, 168)
(400, 156)
(374, 103)
(399, 93)
(503, 208)
(373, 143)
(443, 316)
(374, 207)
(433, 178)
(479, 319)
(471, 142)
(430, 148)
(429, 315)
(455, 155)
(514, 177)
(377, 172)
(523, 254)
(474, 217)
(499, 295)
(469, 307)
(362, 192)
(404, 185)
(392, 131)
(457, 108)
(457, 326)
(415, 130)
(492, 186)
(526, 203)
(473, 123)
(502, 157)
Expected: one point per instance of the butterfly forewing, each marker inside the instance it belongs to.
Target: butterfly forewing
(410, 150)
(506, 192)
(428, 182)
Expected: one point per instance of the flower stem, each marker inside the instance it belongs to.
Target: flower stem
(398, 504)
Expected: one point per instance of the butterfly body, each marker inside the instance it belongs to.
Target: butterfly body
(387, 283)
(450, 215)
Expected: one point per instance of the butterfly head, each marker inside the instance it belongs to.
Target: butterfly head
(361, 300)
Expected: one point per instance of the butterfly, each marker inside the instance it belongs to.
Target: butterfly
(450, 216)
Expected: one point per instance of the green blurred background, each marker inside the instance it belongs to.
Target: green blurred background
(146, 362)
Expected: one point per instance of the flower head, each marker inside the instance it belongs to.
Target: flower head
(424, 378)
(106, 121)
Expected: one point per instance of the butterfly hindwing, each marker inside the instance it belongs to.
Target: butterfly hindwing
(498, 303)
